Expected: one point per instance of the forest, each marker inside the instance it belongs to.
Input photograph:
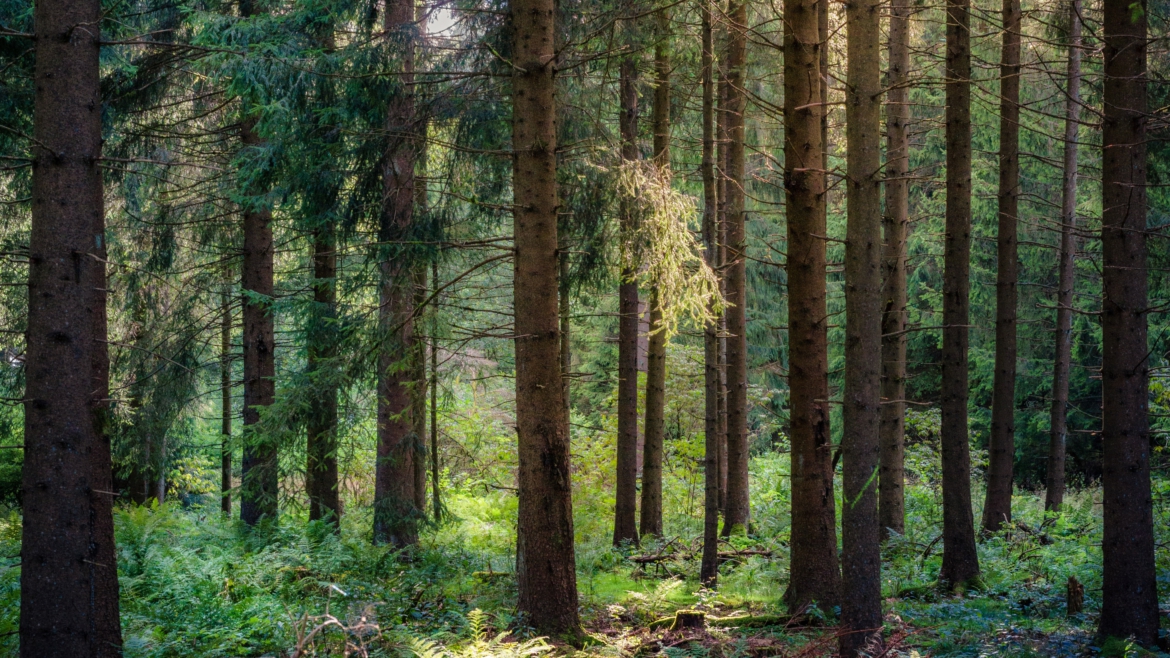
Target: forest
(593, 328)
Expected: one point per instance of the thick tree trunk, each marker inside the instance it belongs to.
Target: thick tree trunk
(815, 574)
(546, 565)
(321, 449)
(861, 607)
(709, 568)
(1054, 496)
(625, 523)
(564, 310)
(69, 578)
(997, 508)
(225, 391)
(960, 562)
(259, 467)
(395, 514)
(651, 519)
(892, 504)
(1129, 601)
(738, 511)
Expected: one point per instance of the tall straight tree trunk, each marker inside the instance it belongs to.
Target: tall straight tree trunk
(709, 568)
(625, 523)
(1054, 495)
(437, 508)
(545, 560)
(737, 513)
(1129, 601)
(997, 509)
(651, 520)
(225, 390)
(259, 467)
(721, 259)
(814, 571)
(861, 607)
(321, 449)
(564, 310)
(960, 562)
(395, 514)
(892, 503)
(69, 577)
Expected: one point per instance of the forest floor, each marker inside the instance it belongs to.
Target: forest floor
(196, 584)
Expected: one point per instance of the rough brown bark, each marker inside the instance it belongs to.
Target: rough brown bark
(1062, 363)
(709, 568)
(815, 576)
(225, 390)
(545, 560)
(1129, 601)
(69, 578)
(738, 510)
(565, 312)
(625, 523)
(997, 507)
(892, 503)
(721, 259)
(321, 447)
(861, 607)
(259, 467)
(960, 562)
(651, 517)
(395, 514)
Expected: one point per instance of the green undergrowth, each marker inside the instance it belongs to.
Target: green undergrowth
(194, 583)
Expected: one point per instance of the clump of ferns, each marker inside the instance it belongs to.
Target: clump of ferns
(482, 643)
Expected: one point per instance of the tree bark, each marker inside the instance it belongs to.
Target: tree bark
(437, 506)
(892, 504)
(545, 560)
(564, 310)
(259, 468)
(395, 514)
(709, 567)
(69, 578)
(651, 519)
(721, 259)
(738, 510)
(815, 576)
(1129, 601)
(1062, 364)
(861, 608)
(625, 528)
(997, 508)
(960, 562)
(418, 396)
(321, 469)
(225, 388)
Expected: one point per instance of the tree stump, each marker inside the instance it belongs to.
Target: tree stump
(688, 619)
(1074, 597)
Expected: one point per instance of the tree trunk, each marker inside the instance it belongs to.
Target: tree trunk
(259, 468)
(395, 514)
(960, 562)
(321, 450)
(1129, 601)
(738, 510)
(225, 389)
(434, 389)
(564, 310)
(721, 259)
(651, 520)
(625, 527)
(815, 574)
(69, 578)
(892, 504)
(997, 508)
(709, 568)
(861, 608)
(545, 560)
(1054, 496)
